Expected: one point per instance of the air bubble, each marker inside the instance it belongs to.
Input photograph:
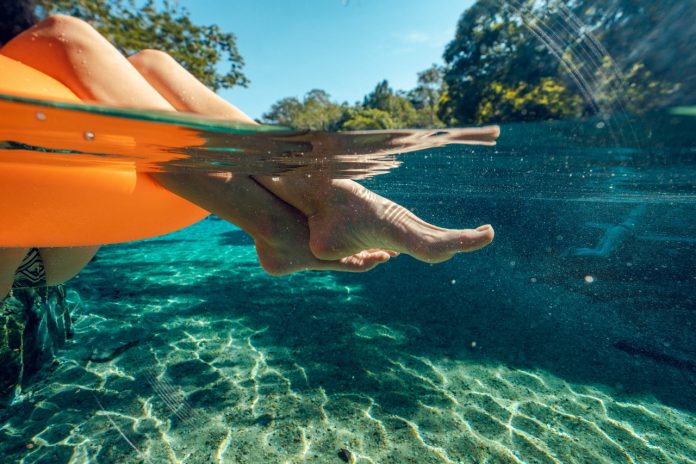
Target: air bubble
(40, 116)
(89, 136)
(600, 125)
(589, 279)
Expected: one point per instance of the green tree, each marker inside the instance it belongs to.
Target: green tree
(426, 96)
(640, 91)
(491, 44)
(397, 106)
(380, 97)
(367, 119)
(316, 111)
(284, 112)
(511, 52)
(132, 26)
(549, 99)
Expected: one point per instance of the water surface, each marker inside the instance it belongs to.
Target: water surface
(570, 339)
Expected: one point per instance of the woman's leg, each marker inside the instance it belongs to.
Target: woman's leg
(181, 89)
(10, 259)
(62, 264)
(72, 52)
(344, 217)
(280, 232)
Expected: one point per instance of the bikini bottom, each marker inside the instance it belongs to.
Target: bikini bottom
(31, 273)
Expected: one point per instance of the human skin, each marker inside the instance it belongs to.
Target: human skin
(343, 217)
(318, 224)
(53, 47)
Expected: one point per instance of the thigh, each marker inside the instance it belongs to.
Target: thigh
(72, 52)
(62, 264)
(10, 259)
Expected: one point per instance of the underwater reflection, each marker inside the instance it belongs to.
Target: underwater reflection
(55, 133)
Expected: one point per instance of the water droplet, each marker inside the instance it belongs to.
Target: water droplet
(40, 115)
(89, 136)
(275, 178)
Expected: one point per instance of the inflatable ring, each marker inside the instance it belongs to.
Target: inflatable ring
(48, 200)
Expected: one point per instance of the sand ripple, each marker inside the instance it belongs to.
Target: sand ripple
(210, 383)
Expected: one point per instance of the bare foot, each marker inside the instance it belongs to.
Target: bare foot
(353, 218)
(280, 232)
(286, 253)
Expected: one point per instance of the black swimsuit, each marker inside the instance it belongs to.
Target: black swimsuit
(31, 273)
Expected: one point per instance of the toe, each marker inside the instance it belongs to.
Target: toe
(443, 245)
(486, 135)
(391, 253)
(475, 239)
(361, 262)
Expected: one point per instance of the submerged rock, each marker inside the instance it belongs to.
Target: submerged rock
(34, 322)
(346, 456)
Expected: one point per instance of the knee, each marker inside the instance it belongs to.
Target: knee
(58, 31)
(63, 26)
(150, 59)
(66, 32)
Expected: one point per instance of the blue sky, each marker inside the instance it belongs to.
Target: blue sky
(342, 46)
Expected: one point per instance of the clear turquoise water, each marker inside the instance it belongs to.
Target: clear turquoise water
(532, 350)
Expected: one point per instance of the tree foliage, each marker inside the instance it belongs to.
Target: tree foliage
(525, 59)
(426, 96)
(383, 108)
(398, 107)
(550, 98)
(132, 26)
(367, 119)
(316, 111)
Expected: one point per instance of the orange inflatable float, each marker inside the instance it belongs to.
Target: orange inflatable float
(61, 180)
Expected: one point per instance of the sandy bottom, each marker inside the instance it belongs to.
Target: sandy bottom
(220, 363)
